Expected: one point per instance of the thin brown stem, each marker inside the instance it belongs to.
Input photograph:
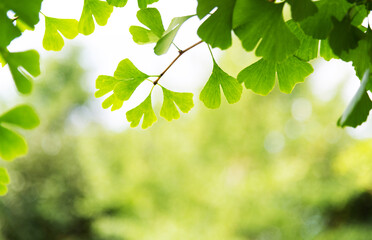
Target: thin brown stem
(180, 53)
(15, 18)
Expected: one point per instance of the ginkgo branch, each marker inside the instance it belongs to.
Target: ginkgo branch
(180, 53)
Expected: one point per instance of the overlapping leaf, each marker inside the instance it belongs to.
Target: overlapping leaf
(166, 40)
(171, 99)
(150, 17)
(216, 30)
(302, 9)
(125, 81)
(54, 27)
(211, 93)
(358, 109)
(101, 11)
(12, 144)
(4, 181)
(256, 19)
(144, 110)
(344, 36)
(260, 76)
(22, 65)
(8, 31)
(320, 24)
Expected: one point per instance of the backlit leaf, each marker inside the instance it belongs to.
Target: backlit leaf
(171, 99)
(12, 145)
(117, 3)
(101, 11)
(4, 181)
(151, 18)
(144, 3)
(302, 9)
(358, 109)
(144, 110)
(257, 19)
(166, 40)
(320, 24)
(54, 27)
(216, 30)
(211, 93)
(22, 116)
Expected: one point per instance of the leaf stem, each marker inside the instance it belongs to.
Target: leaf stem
(180, 53)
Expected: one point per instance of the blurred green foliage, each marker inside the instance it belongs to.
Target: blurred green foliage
(261, 169)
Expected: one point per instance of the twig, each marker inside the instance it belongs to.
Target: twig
(180, 53)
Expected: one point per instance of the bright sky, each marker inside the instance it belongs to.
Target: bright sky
(108, 45)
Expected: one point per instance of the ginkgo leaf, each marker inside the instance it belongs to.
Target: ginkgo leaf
(26, 10)
(308, 49)
(257, 19)
(344, 36)
(53, 27)
(22, 65)
(151, 18)
(361, 56)
(22, 116)
(302, 9)
(211, 93)
(144, 3)
(358, 109)
(142, 35)
(326, 51)
(259, 76)
(131, 78)
(8, 31)
(292, 71)
(112, 101)
(216, 30)
(22, 26)
(125, 81)
(105, 84)
(117, 3)
(320, 24)
(12, 144)
(171, 99)
(144, 110)
(166, 40)
(4, 181)
(101, 11)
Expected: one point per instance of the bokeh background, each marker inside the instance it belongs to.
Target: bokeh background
(266, 168)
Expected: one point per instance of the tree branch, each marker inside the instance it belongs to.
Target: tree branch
(180, 53)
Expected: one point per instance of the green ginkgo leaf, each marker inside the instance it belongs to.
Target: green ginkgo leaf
(292, 71)
(211, 93)
(101, 11)
(54, 27)
(358, 109)
(150, 17)
(144, 110)
(26, 10)
(29, 62)
(308, 49)
(171, 99)
(8, 31)
(167, 39)
(257, 19)
(260, 76)
(117, 3)
(4, 181)
(320, 24)
(125, 81)
(302, 9)
(22, 116)
(144, 3)
(12, 144)
(216, 30)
